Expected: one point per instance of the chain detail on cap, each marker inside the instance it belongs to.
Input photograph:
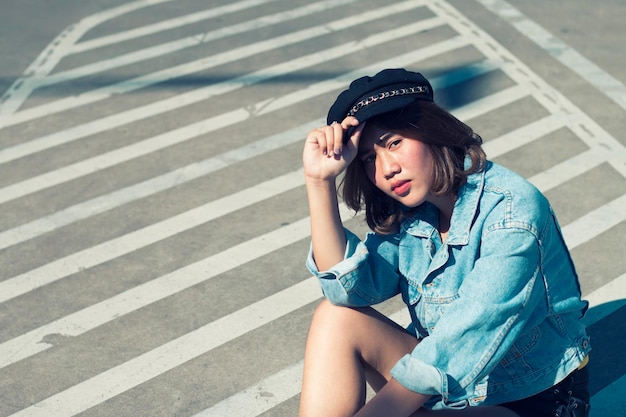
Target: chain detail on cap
(421, 89)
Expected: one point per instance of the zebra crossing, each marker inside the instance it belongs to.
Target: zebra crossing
(154, 220)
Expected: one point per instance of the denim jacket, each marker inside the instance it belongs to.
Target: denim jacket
(497, 306)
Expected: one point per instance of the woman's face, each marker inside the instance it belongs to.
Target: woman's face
(399, 166)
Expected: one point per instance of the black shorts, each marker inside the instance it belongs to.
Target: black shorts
(569, 398)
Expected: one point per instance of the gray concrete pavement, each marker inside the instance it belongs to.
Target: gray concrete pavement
(154, 221)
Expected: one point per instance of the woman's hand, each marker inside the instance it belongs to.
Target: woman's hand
(325, 154)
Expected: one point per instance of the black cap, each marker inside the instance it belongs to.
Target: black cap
(390, 89)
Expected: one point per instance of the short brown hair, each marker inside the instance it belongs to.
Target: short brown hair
(449, 140)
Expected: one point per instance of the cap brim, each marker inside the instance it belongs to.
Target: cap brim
(377, 108)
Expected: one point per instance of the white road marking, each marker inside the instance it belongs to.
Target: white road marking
(96, 255)
(605, 300)
(609, 401)
(185, 99)
(523, 136)
(589, 71)
(165, 25)
(106, 202)
(597, 221)
(48, 59)
(121, 378)
(103, 93)
(261, 397)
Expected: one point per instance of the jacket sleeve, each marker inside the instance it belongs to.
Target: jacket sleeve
(368, 274)
(496, 300)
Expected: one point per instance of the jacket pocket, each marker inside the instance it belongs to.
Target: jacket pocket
(513, 362)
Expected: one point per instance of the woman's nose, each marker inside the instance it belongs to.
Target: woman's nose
(389, 166)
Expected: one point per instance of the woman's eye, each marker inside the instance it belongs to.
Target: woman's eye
(394, 143)
(368, 159)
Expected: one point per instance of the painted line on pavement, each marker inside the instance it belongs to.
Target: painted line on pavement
(562, 52)
(597, 221)
(610, 400)
(103, 93)
(56, 50)
(165, 25)
(106, 202)
(119, 379)
(200, 94)
(188, 132)
(261, 397)
(114, 248)
(605, 300)
(523, 135)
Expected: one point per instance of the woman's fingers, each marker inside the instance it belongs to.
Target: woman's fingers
(337, 133)
(330, 139)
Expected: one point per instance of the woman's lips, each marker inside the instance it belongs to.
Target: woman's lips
(401, 187)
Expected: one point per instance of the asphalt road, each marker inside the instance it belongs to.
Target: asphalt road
(154, 222)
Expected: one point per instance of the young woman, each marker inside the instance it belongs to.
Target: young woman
(474, 250)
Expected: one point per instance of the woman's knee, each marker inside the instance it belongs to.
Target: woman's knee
(328, 315)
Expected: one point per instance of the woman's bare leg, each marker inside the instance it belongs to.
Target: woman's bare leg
(347, 347)
(344, 348)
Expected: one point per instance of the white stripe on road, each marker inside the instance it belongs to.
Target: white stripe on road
(137, 83)
(597, 221)
(589, 71)
(189, 41)
(259, 398)
(121, 378)
(165, 25)
(523, 136)
(570, 168)
(182, 134)
(19, 91)
(491, 103)
(606, 300)
(609, 401)
(88, 258)
(120, 197)
(586, 129)
(185, 99)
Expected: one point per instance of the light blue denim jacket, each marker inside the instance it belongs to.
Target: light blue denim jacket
(497, 306)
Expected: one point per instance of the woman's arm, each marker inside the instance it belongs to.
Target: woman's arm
(325, 157)
(327, 235)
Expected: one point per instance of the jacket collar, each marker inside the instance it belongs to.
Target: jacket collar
(424, 221)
